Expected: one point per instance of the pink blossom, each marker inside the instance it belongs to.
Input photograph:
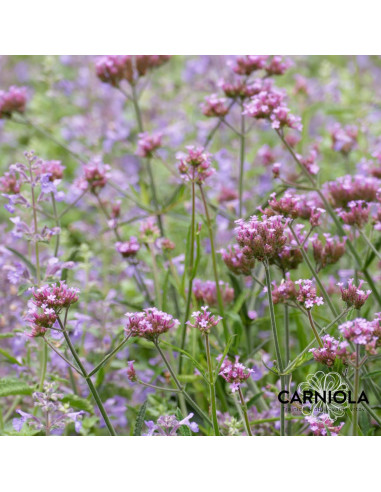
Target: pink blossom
(204, 320)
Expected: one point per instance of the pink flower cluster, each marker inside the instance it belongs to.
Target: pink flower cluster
(353, 296)
(286, 291)
(236, 261)
(149, 323)
(247, 64)
(12, 101)
(215, 106)
(55, 296)
(112, 69)
(261, 239)
(307, 294)
(356, 215)
(46, 304)
(362, 332)
(131, 373)
(206, 292)
(10, 184)
(344, 139)
(147, 144)
(328, 253)
(319, 425)
(128, 249)
(269, 104)
(234, 373)
(204, 320)
(196, 166)
(52, 168)
(95, 176)
(332, 349)
(149, 231)
(349, 188)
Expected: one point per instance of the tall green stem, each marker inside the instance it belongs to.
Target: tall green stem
(314, 329)
(356, 386)
(57, 224)
(276, 341)
(155, 275)
(90, 384)
(241, 162)
(214, 262)
(180, 387)
(212, 387)
(244, 411)
(190, 275)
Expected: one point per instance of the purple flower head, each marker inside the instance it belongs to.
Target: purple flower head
(352, 295)
(196, 165)
(168, 425)
(128, 249)
(149, 231)
(236, 261)
(204, 320)
(12, 101)
(149, 323)
(344, 139)
(95, 176)
(307, 294)
(131, 373)
(261, 239)
(147, 144)
(10, 184)
(55, 296)
(328, 253)
(331, 350)
(234, 373)
(357, 213)
(247, 64)
(320, 424)
(285, 291)
(362, 332)
(206, 292)
(215, 106)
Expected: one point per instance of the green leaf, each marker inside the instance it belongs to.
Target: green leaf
(10, 357)
(13, 386)
(30, 265)
(78, 403)
(7, 335)
(184, 352)
(371, 374)
(140, 420)
(253, 399)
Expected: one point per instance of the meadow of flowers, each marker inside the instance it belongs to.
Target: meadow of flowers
(185, 238)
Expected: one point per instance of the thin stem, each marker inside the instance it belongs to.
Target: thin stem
(244, 411)
(90, 384)
(62, 356)
(190, 275)
(212, 388)
(356, 386)
(50, 137)
(180, 387)
(56, 218)
(214, 263)
(44, 363)
(314, 329)
(35, 225)
(371, 246)
(154, 196)
(109, 356)
(287, 333)
(137, 109)
(69, 207)
(313, 272)
(159, 388)
(276, 342)
(155, 272)
(241, 161)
